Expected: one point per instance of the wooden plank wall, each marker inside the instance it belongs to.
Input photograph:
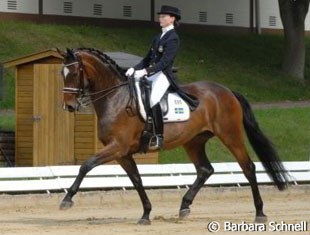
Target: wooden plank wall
(23, 114)
(7, 147)
(84, 136)
(53, 133)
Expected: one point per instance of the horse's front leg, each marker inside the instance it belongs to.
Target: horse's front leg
(129, 165)
(109, 153)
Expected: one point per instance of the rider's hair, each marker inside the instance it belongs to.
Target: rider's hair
(176, 23)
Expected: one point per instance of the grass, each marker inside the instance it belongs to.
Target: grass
(7, 122)
(247, 63)
(289, 130)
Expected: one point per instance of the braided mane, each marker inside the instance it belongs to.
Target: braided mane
(105, 59)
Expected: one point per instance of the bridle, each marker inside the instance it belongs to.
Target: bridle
(72, 90)
(81, 92)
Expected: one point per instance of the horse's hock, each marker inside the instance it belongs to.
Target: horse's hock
(45, 133)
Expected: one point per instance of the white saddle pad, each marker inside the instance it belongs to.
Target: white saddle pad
(178, 109)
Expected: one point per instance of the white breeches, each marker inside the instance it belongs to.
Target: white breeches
(160, 84)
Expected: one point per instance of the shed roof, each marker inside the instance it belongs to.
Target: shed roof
(124, 60)
(31, 58)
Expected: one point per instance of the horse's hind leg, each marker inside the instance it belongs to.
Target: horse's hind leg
(234, 142)
(196, 152)
(131, 169)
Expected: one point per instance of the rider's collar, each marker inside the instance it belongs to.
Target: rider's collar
(166, 29)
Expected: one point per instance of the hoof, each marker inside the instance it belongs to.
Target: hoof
(260, 219)
(184, 213)
(144, 222)
(65, 205)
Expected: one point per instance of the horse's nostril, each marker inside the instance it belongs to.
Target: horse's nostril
(70, 108)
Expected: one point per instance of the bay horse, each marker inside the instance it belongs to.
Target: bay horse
(222, 113)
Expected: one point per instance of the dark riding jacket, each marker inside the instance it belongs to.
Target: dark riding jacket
(160, 57)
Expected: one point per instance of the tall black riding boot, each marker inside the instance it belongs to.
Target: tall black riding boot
(158, 138)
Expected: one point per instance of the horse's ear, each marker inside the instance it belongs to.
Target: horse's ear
(70, 53)
(62, 53)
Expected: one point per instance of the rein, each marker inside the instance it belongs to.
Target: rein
(105, 92)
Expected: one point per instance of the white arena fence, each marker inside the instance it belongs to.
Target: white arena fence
(60, 178)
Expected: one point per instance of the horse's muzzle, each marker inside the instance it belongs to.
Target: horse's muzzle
(71, 108)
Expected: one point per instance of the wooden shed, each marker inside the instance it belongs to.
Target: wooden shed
(45, 133)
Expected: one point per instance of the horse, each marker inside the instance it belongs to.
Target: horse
(90, 73)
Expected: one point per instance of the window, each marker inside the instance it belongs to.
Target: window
(12, 5)
(68, 7)
(229, 18)
(272, 21)
(127, 11)
(97, 11)
(203, 16)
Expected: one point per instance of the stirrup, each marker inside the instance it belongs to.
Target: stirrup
(156, 142)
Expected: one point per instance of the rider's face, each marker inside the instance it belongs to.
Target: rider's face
(166, 20)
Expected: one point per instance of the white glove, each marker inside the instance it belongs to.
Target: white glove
(140, 73)
(130, 72)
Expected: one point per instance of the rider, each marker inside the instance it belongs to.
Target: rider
(157, 67)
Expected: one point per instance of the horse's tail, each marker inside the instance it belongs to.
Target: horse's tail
(262, 146)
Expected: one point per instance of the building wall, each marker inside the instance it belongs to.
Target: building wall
(211, 12)
(20, 6)
(117, 9)
(85, 137)
(228, 13)
(24, 115)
